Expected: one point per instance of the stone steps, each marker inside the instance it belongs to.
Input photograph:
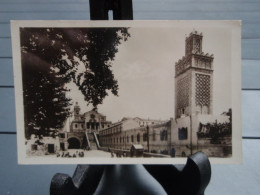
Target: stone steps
(92, 143)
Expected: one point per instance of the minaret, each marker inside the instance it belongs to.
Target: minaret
(76, 111)
(193, 79)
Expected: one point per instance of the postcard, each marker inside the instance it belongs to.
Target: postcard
(127, 92)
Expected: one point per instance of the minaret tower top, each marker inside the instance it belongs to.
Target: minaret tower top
(193, 43)
(194, 79)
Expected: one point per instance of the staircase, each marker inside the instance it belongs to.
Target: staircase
(96, 139)
(92, 142)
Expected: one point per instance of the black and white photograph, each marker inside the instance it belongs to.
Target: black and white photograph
(127, 92)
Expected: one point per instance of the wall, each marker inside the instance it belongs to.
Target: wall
(123, 139)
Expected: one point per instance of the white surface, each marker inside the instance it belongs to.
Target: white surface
(238, 179)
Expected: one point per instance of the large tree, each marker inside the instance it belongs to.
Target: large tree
(45, 103)
(51, 58)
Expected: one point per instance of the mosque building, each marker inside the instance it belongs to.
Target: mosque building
(191, 129)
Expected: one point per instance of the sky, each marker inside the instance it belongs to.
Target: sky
(145, 67)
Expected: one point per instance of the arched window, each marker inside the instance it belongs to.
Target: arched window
(183, 133)
(196, 62)
(138, 137)
(154, 136)
(132, 138)
(164, 135)
(145, 137)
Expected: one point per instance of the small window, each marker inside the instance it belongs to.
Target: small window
(62, 135)
(34, 147)
(132, 138)
(164, 135)
(154, 136)
(76, 125)
(183, 133)
(138, 137)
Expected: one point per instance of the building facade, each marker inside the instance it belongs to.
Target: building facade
(153, 135)
(91, 121)
(185, 134)
(83, 126)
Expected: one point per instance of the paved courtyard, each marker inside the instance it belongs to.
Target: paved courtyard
(73, 153)
(89, 153)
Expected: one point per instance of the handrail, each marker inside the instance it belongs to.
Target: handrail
(86, 134)
(96, 139)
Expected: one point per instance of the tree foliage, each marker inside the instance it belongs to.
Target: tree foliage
(216, 130)
(52, 57)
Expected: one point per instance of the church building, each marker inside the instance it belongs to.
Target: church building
(91, 121)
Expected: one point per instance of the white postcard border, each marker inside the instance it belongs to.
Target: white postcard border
(236, 90)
